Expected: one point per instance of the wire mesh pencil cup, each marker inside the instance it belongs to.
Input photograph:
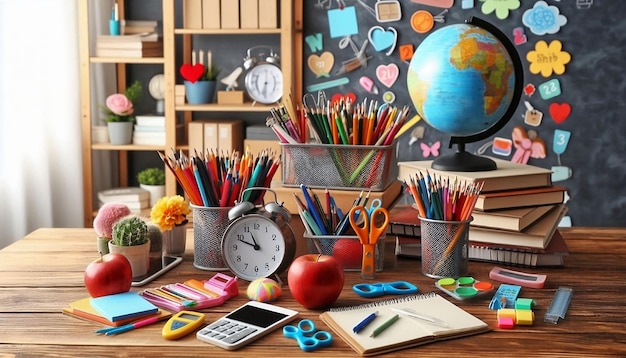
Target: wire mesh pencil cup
(445, 248)
(209, 224)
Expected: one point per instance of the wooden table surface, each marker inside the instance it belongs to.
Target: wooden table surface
(42, 273)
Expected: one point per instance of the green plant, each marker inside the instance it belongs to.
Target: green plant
(151, 176)
(130, 231)
(211, 72)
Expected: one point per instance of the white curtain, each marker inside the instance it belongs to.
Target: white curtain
(40, 135)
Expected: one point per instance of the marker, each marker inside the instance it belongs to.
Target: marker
(384, 326)
(359, 327)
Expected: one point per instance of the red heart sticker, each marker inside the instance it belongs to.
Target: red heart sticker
(192, 73)
(560, 111)
(338, 97)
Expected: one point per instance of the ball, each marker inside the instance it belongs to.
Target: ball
(264, 290)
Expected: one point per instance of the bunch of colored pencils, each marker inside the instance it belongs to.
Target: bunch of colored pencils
(214, 180)
(338, 123)
(438, 199)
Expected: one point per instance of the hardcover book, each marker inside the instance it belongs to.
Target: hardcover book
(508, 176)
(510, 219)
(123, 195)
(406, 331)
(520, 198)
(404, 221)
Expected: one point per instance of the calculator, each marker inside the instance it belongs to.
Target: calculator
(247, 323)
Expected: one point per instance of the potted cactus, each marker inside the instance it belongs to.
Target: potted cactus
(103, 223)
(130, 238)
(152, 180)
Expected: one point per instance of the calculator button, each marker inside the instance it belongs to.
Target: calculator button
(238, 336)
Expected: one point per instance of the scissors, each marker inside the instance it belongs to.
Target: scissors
(368, 232)
(309, 339)
(370, 290)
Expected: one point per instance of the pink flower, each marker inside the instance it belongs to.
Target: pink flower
(120, 104)
(108, 215)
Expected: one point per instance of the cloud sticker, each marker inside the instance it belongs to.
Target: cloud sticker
(543, 19)
(501, 7)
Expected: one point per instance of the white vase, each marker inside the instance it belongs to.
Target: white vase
(174, 241)
(138, 256)
(120, 133)
(156, 192)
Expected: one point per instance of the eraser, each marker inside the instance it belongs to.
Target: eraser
(506, 322)
(524, 303)
(507, 312)
(524, 317)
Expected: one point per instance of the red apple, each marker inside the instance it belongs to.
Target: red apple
(108, 275)
(349, 252)
(315, 281)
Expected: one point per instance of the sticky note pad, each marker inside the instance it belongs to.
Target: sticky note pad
(506, 312)
(122, 305)
(343, 22)
(524, 317)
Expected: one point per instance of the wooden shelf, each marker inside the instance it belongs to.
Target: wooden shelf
(215, 107)
(115, 60)
(228, 32)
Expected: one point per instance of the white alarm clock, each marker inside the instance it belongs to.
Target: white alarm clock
(259, 241)
(264, 78)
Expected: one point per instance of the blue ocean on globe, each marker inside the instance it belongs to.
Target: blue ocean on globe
(461, 79)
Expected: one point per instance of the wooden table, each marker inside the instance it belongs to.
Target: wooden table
(43, 272)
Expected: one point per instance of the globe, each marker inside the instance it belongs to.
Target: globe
(463, 80)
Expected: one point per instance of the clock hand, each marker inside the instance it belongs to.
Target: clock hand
(256, 245)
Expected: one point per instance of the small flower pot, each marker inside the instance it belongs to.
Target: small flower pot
(200, 92)
(138, 256)
(120, 133)
(156, 192)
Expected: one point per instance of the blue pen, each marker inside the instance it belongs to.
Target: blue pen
(359, 327)
(312, 210)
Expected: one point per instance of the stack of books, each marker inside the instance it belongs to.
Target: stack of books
(516, 218)
(404, 224)
(133, 45)
(136, 199)
(149, 130)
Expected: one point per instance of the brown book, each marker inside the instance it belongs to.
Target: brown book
(404, 221)
(406, 331)
(508, 176)
(537, 235)
(132, 38)
(130, 52)
(135, 45)
(521, 198)
(510, 219)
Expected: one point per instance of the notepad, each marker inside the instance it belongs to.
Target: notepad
(122, 306)
(406, 331)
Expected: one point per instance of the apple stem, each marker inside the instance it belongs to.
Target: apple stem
(318, 257)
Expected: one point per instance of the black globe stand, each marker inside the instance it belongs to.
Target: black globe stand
(462, 161)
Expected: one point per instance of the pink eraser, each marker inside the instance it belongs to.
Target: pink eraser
(506, 322)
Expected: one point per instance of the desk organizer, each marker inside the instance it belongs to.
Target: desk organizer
(209, 224)
(347, 249)
(343, 167)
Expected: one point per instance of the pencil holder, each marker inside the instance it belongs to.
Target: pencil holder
(344, 167)
(445, 248)
(209, 224)
(347, 249)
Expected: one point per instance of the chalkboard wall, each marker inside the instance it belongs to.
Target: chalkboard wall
(592, 85)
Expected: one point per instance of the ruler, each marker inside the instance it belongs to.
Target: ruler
(558, 306)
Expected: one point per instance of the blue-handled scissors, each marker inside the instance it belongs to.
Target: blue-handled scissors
(370, 290)
(375, 204)
(369, 229)
(309, 339)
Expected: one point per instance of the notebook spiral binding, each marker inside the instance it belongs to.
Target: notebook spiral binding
(389, 301)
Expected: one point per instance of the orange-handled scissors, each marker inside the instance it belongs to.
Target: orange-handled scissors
(368, 227)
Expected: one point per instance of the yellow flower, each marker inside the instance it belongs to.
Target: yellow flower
(170, 211)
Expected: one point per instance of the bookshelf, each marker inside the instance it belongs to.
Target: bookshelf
(175, 36)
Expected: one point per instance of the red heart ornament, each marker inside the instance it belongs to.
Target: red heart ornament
(192, 73)
(560, 111)
(338, 97)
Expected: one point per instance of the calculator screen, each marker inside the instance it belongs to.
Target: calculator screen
(190, 317)
(256, 316)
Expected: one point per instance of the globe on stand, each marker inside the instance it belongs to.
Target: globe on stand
(466, 80)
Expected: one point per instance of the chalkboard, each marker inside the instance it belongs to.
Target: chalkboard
(593, 85)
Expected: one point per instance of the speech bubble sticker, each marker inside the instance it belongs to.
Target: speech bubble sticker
(321, 65)
(560, 111)
(387, 74)
(501, 7)
(383, 39)
(560, 141)
(543, 19)
(547, 59)
(550, 89)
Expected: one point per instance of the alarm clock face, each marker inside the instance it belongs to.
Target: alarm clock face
(264, 83)
(254, 246)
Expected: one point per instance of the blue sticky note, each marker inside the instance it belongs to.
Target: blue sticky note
(550, 89)
(343, 22)
(467, 4)
(122, 305)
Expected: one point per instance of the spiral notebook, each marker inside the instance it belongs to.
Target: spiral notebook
(406, 331)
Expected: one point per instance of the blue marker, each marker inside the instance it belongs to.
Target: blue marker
(359, 327)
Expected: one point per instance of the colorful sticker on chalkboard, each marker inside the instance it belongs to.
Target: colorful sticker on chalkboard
(519, 37)
(502, 146)
(547, 59)
(436, 3)
(428, 150)
(321, 65)
(368, 85)
(467, 4)
(416, 134)
(383, 39)
(532, 117)
(315, 42)
(501, 7)
(560, 173)
(560, 111)
(406, 52)
(561, 140)
(347, 97)
(343, 22)
(529, 89)
(389, 97)
(387, 74)
(543, 19)
(584, 4)
(550, 89)
(387, 10)
(527, 146)
(423, 21)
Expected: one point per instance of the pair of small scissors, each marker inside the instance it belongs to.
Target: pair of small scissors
(370, 290)
(309, 339)
(369, 231)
